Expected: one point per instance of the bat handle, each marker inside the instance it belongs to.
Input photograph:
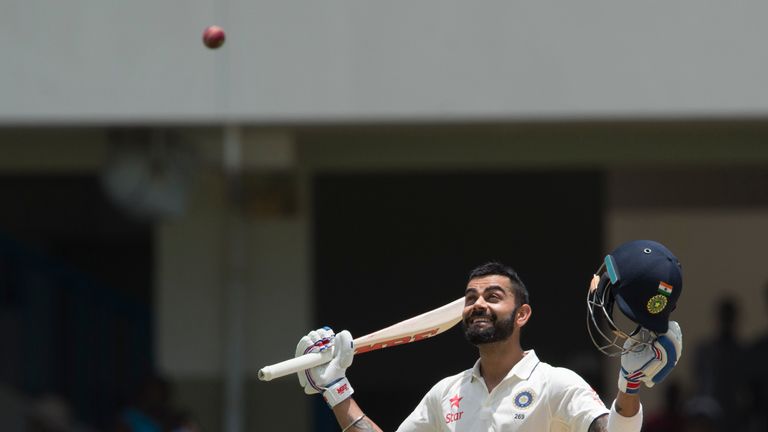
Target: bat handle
(287, 367)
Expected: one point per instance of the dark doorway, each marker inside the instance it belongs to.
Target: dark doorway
(391, 246)
(75, 294)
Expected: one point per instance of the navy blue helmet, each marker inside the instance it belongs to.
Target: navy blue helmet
(644, 279)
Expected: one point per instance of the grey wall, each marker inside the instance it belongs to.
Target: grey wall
(143, 61)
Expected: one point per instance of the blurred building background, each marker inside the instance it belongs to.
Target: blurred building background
(174, 218)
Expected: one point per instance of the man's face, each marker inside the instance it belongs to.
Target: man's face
(489, 309)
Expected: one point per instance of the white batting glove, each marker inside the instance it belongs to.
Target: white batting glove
(651, 364)
(329, 378)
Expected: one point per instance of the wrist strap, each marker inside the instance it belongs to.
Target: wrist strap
(337, 392)
(619, 423)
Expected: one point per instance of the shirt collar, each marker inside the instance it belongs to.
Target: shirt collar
(523, 369)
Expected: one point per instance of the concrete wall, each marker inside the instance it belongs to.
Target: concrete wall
(85, 62)
(193, 313)
(259, 252)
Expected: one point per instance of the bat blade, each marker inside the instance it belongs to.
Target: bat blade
(413, 329)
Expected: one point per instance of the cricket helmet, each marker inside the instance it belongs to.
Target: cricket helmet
(644, 279)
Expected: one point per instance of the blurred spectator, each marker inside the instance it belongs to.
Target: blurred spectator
(719, 368)
(757, 361)
(185, 423)
(671, 418)
(703, 414)
(51, 413)
(151, 410)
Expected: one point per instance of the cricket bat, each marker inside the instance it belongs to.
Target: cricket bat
(413, 329)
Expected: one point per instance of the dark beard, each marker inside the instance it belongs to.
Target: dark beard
(499, 330)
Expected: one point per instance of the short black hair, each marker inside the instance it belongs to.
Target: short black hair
(495, 268)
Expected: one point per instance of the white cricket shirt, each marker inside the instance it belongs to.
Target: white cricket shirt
(534, 396)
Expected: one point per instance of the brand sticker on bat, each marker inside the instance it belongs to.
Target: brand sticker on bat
(397, 341)
(413, 329)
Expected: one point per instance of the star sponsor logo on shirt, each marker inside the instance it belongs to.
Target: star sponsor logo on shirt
(453, 413)
(455, 401)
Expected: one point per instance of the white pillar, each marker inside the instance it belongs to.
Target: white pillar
(236, 255)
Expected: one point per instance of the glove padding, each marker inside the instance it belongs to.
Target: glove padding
(329, 378)
(651, 363)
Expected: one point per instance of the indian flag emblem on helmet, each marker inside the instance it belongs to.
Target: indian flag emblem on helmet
(665, 288)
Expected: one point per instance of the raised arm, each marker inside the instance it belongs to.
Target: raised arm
(352, 419)
(625, 415)
(330, 378)
(649, 365)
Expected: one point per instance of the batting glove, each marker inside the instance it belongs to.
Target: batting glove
(329, 378)
(651, 363)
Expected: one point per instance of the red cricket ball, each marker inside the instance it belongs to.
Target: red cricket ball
(214, 36)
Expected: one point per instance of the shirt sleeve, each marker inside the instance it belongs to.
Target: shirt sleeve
(578, 404)
(422, 419)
